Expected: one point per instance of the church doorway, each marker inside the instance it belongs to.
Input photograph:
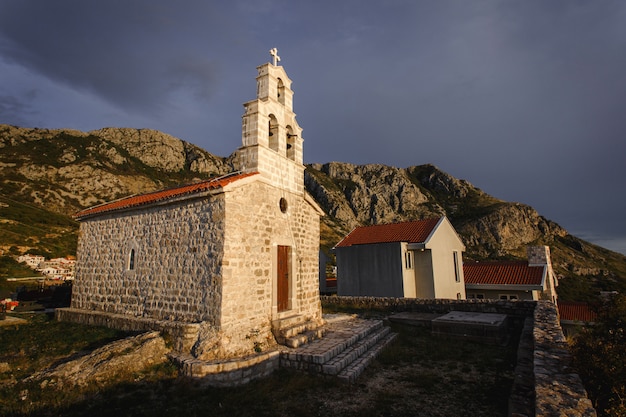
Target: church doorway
(282, 284)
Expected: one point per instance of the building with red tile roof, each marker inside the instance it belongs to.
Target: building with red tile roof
(417, 259)
(512, 280)
(219, 264)
(410, 232)
(576, 311)
(574, 315)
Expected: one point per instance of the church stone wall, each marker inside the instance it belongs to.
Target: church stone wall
(255, 226)
(177, 266)
(306, 233)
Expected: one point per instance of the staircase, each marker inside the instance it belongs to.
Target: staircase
(294, 331)
(346, 349)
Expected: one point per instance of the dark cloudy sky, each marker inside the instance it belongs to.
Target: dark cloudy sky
(525, 99)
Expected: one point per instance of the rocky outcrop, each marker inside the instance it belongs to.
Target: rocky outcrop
(162, 151)
(430, 177)
(119, 358)
(68, 170)
(153, 148)
(506, 228)
(368, 194)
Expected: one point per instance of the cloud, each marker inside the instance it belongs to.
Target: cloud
(128, 53)
(16, 110)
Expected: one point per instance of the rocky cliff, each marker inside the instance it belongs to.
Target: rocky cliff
(63, 171)
(67, 170)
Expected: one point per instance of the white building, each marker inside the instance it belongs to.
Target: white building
(418, 259)
(33, 261)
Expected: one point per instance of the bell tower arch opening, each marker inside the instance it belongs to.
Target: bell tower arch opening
(273, 133)
(280, 91)
(291, 143)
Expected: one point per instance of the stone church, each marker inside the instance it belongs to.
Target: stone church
(227, 267)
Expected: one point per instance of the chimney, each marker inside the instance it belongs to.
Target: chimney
(538, 255)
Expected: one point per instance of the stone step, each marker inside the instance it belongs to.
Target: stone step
(351, 372)
(303, 338)
(348, 347)
(288, 321)
(352, 353)
(297, 329)
(337, 339)
(294, 331)
(236, 371)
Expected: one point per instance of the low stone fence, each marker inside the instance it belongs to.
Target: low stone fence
(557, 385)
(545, 383)
(517, 308)
(181, 335)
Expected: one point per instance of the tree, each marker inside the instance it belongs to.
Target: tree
(600, 355)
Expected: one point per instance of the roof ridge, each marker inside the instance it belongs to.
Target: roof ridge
(137, 200)
(496, 261)
(502, 273)
(401, 222)
(413, 231)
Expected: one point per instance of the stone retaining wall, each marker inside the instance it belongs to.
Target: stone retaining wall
(545, 383)
(518, 308)
(229, 373)
(181, 335)
(557, 385)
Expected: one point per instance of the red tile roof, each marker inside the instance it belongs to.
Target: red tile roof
(502, 273)
(411, 232)
(157, 196)
(576, 311)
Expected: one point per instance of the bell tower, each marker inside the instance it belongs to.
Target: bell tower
(271, 137)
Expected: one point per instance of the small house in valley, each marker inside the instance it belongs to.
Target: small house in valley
(416, 259)
(513, 280)
(224, 265)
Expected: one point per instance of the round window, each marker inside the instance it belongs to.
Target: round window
(283, 205)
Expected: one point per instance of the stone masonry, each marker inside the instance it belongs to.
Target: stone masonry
(170, 281)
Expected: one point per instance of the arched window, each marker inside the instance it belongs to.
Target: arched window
(131, 260)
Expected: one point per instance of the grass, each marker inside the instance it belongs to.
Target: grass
(417, 375)
(45, 232)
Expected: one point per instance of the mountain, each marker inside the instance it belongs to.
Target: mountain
(67, 170)
(47, 175)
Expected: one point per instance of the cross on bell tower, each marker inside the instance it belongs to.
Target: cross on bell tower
(274, 54)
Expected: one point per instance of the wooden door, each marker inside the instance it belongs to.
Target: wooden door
(283, 278)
